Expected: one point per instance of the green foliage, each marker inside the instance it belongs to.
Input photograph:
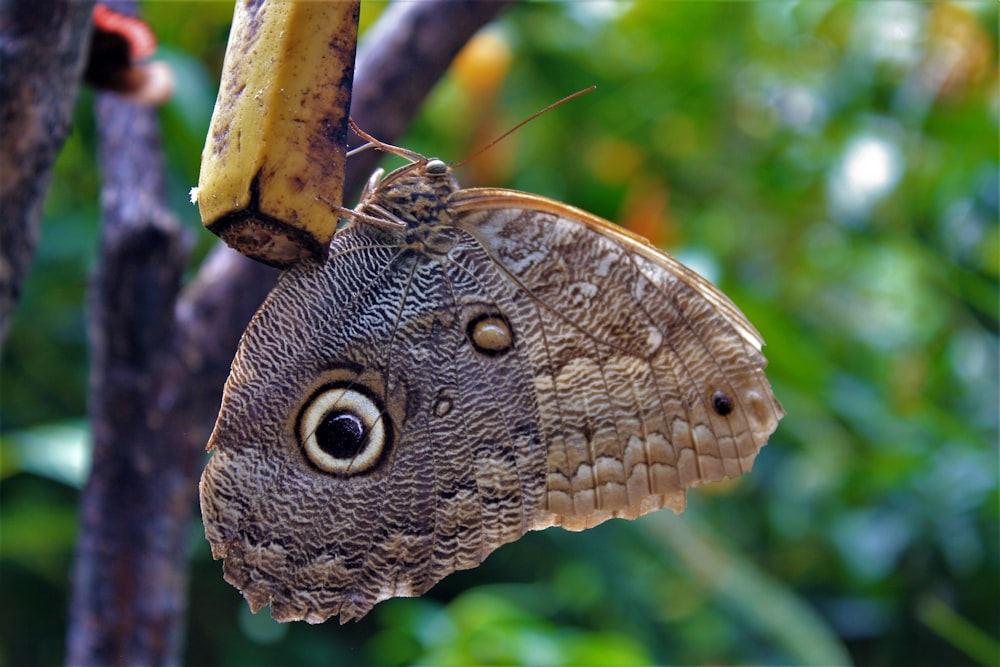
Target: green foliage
(833, 166)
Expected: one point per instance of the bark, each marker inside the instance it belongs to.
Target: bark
(43, 44)
(129, 579)
(161, 355)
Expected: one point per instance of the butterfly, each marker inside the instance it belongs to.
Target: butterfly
(467, 365)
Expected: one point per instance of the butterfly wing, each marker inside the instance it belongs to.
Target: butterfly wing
(529, 365)
(649, 380)
(462, 468)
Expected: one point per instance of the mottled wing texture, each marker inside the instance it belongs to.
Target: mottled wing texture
(527, 364)
(630, 353)
(465, 469)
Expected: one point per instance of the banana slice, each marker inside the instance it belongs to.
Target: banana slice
(276, 142)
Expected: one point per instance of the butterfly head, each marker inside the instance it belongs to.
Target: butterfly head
(409, 197)
(415, 195)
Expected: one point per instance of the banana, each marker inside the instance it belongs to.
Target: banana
(276, 143)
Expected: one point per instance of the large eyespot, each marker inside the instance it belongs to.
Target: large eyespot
(343, 430)
(490, 334)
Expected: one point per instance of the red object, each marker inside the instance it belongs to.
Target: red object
(136, 35)
(120, 43)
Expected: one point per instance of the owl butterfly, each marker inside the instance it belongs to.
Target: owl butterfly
(467, 365)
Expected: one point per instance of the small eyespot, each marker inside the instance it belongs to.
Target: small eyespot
(443, 406)
(490, 334)
(343, 430)
(436, 167)
(722, 403)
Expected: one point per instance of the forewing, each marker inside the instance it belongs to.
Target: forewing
(648, 379)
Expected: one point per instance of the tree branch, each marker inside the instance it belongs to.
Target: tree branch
(401, 59)
(42, 52)
(134, 508)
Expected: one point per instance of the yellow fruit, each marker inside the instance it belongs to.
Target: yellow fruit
(276, 144)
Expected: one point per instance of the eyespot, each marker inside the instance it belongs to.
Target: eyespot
(436, 167)
(490, 334)
(722, 403)
(343, 430)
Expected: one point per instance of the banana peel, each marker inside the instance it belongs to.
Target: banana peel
(276, 143)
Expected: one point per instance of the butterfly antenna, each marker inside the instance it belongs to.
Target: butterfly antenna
(522, 124)
(412, 156)
(360, 149)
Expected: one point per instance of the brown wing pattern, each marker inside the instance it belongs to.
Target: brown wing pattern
(648, 379)
(490, 362)
(463, 471)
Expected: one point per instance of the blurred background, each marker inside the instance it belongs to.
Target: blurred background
(832, 166)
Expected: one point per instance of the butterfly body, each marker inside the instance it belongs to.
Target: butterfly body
(466, 366)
